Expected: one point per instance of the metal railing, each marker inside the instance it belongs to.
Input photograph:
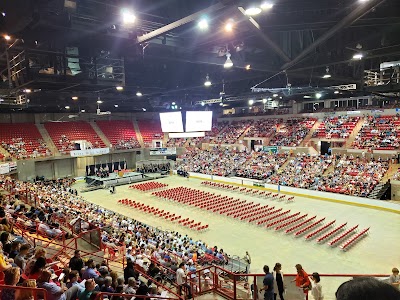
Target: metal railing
(36, 293)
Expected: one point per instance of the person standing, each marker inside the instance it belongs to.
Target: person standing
(268, 284)
(316, 288)
(180, 280)
(278, 281)
(76, 262)
(394, 279)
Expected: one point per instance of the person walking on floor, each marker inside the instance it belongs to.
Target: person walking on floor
(268, 284)
(279, 286)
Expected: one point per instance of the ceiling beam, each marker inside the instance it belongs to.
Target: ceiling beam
(349, 19)
(167, 28)
(257, 29)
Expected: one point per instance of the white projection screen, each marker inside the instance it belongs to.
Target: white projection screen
(198, 121)
(171, 121)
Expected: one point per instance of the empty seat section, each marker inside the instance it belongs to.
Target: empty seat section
(150, 130)
(120, 133)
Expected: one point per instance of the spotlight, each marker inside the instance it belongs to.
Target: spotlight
(139, 94)
(275, 95)
(264, 101)
(358, 56)
(27, 90)
(202, 103)
(67, 107)
(74, 98)
(266, 5)
(327, 75)
(127, 16)
(318, 95)
(207, 82)
(228, 63)
(7, 37)
(248, 67)
(203, 24)
(229, 26)
(119, 88)
(253, 11)
(251, 102)
(115, 105)
(336, 92)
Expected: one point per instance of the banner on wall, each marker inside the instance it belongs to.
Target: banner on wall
(89, 152)
(163, 151)
(271, 149)
(8, 167)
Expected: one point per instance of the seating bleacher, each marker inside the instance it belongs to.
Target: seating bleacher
(336, 127)
(64, 134)
(23, 140)
(379, 133)
(121, 134)
(292, 132)
(232, 132)
(150, 130)
(263, 128)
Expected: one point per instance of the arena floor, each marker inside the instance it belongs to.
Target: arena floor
(375, 254)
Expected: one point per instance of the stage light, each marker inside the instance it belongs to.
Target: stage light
(266, 5)
(119, 88)
(127, 16)
(251, 102)
(336, 92)
(248, 67)
(67, 107)
(228, 63)
(253, 11)
(318, 95)
(229, 26)
(7, 37)
(275, 95)
(207, 82)
(202, 103)
(99, 101)
(74, 98)
(264, 101)
(203, 24)
(139, 94)
(115, 105)
(358, 56)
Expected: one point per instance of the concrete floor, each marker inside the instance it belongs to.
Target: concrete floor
(375, 254)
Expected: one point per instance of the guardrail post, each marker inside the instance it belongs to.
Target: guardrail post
(234, 286)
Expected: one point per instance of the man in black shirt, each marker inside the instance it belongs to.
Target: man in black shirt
(76, 262)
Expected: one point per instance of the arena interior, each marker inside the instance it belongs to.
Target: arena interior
(174, 149)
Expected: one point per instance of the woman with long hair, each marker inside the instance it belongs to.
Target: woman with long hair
(316, 288)
(38, 268)
(302, 280)
(278, 281)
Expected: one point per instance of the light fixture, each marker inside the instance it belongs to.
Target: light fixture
(221, 104)
(336, 92)
(139, 94)
(74, 98)
(115, 105)
(228, 63)
(251, 102)
(229, 25)
(307, 97)
(327, 75)
(173, 103)
(82, 110)
(269, 98)
(264, 101)
(275, 95)
(3, 14)
(119, 88)
(127, 16)
(203, 24)
(7, 37)
(67, 107)
(202, 103)
(144, 109)
(248, 67)
(253, 11)
(318, 95)
(27, 90)
(358, 56)
(99, 101)
(207, 82)
(266, 5)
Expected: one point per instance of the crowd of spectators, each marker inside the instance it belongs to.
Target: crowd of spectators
(292, 132)
(20, 149)
(153, 167)
(379, 133)
(336, 127)
(176, 142)
(263, 128)
(131, 143)
(232, 132)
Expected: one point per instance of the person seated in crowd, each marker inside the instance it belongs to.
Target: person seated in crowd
(54, 292)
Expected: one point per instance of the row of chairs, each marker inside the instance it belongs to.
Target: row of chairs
(148, 186)
(191, 224)
(248, 191)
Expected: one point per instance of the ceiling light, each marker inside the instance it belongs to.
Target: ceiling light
(318, 95)
(251, 102)
(173, 103)
(266, 5)
(203, 24)
(229, 26)
(119, 88)
(7, 37)
(275, 95)
(358, 56)
(248, 67)
(228, 63)
(221, 104)
(253, 11)
(207, 82)
(99, 101)
(3, 14)
(115, 105)
(144, 109)
(127, 16)
(139, 94)
(74, 98)
(27, 90)
(269, 98)
(336, 92)
(306, 97)
(264, 101)
(327, 75)
(82, 111)
(67, 107)
(202, 103)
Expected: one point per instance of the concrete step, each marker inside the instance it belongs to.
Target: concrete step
(354, 134)
(309, 135)
(138, 134)
(49, 142)
(100, 134)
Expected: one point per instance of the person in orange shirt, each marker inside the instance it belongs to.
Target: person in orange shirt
(302, 280)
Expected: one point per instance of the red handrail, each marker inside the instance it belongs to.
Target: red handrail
(35, 291)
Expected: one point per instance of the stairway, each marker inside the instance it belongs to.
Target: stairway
(138, 134)
(390, 173)
(4, 152)
(241, 137)
(354, 134)
(288, 160)
(100, 134)
(308, 137)
(330, 169)
(47, 139)
(378, 191)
